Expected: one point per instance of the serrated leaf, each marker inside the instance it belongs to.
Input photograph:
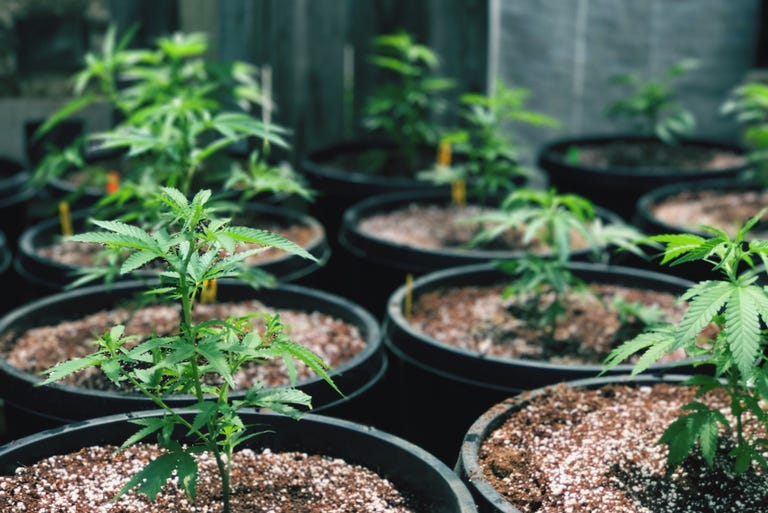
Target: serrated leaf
(701, 309)
(742, 326)
(64, 369)
(265, 238)
(151, 425)
(151, 479)
(137, 260)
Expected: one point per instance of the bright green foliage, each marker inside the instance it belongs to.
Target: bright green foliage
(749, 104)
(178, 112)
(738, 306)
(490, 156)
(401, 108)
(194, 247)
(652, 106)
(552, 219)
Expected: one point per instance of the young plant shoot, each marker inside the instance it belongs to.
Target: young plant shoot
(554, 220)
(737, 304)
(490, 156)
(651, 107)
(749, 104)
(401, 108)
(194, 247)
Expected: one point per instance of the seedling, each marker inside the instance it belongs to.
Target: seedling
(194, 247)
(178, 112)
(738, 306)
(491, 158)
(401, 108)
(652, 107)
(552, 219)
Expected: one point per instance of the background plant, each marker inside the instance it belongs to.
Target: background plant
(194, 247)
(402, 108)
(490, 157)
(554, 220)
(749, 104)
(176, 110)
(737, 304)
(651, 107)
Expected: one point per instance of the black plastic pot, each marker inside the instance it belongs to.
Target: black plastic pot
(382, 265)
(30, 407)
(5, 277)
(442, 388)
(44, 276)
(618, 189)
(468, 465)
(434, 487)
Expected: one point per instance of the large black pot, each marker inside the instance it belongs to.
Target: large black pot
(44, 276)
(468, 465)
(6, 278)
(30, 407)
(382, 265)
(618, 189)
(447, 387)
(433, 486)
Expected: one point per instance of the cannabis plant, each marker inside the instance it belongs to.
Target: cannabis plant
(490, 157)
(737, 304)
(401, 108)
(177, 112)
(651, 107)
(749, 104)
(194, 247)
(553, 220)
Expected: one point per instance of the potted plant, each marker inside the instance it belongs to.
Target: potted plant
(403, 138)
(59, 325)
(201, 360)
(475, 333)
(615, 170)
(420, 231)
(713, 428)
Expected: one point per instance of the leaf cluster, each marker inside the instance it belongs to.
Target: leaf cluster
(177, 110)
(490, 156)
(400, 109)
(737, 305)
(651, 105)
(194, 247)
(554, 220)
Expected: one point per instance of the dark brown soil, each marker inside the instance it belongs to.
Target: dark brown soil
(727, 210)
(85, 482)
(596, 451)
(443, 227)
(40, 348)
(653, 155)
(479, 319)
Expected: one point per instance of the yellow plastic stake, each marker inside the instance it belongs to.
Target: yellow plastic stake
(408, 303)
(208, 294)
(459, 193)
(444, 153)
(65, 219)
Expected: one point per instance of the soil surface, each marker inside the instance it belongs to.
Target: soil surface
(86, 481)
(479, 319)
(443, 227)
(727, 210)
(83, 254)
(596, 451)
(656, 156)
(42, 347)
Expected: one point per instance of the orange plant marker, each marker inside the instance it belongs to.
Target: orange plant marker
(113, 182)
(208, 294)
(65, 219)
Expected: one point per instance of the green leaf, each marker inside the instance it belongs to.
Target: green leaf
(265, 238)
(151, 425)
(65, 112)
(64, 369)
(151, 479)
(742, 324)
(702, 309)
(136, 260)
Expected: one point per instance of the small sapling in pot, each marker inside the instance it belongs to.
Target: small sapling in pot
(194, 248)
